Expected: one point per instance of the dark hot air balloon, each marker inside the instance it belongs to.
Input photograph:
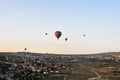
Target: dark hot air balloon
(25, 49)
(58, 34)
(66, 39)
(46, 33)
(84, 35)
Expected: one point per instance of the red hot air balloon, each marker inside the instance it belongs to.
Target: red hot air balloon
(58, 34)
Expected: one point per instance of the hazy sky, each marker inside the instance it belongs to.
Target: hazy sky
(23, 23)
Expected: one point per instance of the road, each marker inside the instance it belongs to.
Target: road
(95, 78)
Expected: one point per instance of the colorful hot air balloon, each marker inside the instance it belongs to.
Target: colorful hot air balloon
(58, 34)
(66, 39)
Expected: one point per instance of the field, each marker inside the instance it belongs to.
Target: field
(87, 69)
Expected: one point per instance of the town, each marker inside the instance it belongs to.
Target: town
(46, 66)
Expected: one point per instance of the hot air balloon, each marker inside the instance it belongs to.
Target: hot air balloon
(25, 49)
(66, 39)
(58, 34)
(46, 33)
(84, 35)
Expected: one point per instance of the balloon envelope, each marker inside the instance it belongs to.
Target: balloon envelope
(25, 49)
(84, 35)
(46, 33)
(58, 34)
(66, 39)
